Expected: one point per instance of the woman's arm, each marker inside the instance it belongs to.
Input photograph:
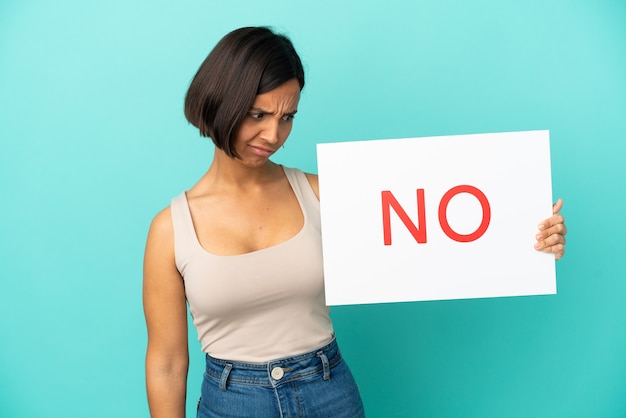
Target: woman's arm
(167, 357)
(552, 231)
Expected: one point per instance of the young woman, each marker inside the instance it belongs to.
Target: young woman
(243, 248)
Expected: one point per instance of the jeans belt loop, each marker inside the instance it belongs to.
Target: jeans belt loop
(325, 365)
(227, 368)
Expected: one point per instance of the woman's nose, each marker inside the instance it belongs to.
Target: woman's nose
(270, 132)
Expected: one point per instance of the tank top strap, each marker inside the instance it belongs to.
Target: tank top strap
(184, 232)
(306, 196)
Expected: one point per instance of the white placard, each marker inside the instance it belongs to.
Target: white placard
(480, 198)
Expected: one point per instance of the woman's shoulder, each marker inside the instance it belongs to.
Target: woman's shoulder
(162, 225)
(314, 182)
(311, 178)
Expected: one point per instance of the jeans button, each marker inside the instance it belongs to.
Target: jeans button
(278, 373)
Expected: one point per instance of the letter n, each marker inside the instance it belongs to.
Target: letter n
(418, 232)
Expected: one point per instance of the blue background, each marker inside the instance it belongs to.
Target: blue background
(93, 142)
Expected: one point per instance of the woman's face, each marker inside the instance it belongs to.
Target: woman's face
(268, 123)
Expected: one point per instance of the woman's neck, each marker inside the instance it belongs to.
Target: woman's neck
(232, 172)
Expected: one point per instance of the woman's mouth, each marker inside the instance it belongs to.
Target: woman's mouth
(260, 151)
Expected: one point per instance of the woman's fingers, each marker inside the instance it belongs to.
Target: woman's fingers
(552, 231)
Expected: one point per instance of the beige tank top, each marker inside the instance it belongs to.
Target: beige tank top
(262, 305)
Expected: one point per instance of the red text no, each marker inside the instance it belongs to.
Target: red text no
(419, 231)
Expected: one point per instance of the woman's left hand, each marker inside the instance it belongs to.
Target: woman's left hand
(552, 231)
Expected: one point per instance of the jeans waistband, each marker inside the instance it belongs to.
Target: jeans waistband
(278, 371)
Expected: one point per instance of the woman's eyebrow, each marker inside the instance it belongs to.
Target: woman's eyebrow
(267, 112)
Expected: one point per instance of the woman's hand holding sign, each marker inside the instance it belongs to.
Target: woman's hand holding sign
(552, 231)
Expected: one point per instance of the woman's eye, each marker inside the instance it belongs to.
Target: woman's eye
(256, 115)
(287, 118)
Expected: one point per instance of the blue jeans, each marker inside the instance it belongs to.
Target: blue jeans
(317, 384)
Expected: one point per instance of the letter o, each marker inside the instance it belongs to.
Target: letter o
(443, 217)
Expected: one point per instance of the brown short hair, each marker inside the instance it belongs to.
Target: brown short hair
(245, 63)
